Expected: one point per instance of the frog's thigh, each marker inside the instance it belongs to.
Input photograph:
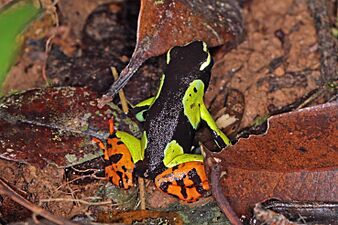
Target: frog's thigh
(186, 181)
(119, 168)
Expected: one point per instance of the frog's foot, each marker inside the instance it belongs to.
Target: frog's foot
(119, 166)
(186, 181)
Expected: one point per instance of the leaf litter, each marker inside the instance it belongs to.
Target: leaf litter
(279, 52)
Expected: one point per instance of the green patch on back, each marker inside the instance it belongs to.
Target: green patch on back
(133, 144)
(192, 100)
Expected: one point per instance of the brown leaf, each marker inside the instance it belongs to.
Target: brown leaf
(75, 12)
(309, 212)
(164, 24)
(54, 125)
(144, 216)
(297, 159)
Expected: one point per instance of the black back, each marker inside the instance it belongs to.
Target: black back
(165, 120)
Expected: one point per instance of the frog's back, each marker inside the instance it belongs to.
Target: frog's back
(165, 120)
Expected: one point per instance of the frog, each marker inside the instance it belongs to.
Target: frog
(170, 120)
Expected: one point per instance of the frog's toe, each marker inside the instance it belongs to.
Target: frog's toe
(186, 181)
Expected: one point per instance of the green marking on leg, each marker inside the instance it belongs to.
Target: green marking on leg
(174, 155)
(146, 102)
(184, 158)
(205, 115)
(144, 143)
(172, 150)
(133, 144)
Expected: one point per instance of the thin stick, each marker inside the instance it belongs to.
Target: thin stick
(142, 193)
(121, 93)
(51, 9)
(126, 110)
(7, 190)
(75, 200)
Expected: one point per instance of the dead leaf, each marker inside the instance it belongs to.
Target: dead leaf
(297, 159)
(147, 217)
(276, 65)
(55, 125)
(75, 12)
(164, 24)
(309, 212)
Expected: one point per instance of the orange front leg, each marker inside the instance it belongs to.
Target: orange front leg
(119, 165)
(186, 181)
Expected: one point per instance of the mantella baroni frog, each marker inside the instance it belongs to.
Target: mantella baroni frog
(170, 119)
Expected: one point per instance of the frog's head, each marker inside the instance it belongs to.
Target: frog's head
(192, 59)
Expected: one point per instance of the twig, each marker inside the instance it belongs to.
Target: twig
(142, 193)
(126, 110)
(51, 9)
(7, 190)
(80, 178)
(328, 45)
(121, 93)
(75, 200)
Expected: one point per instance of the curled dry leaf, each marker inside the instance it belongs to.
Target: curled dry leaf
(164, 24)
(308, 212)
(297, 159)
(55, 125)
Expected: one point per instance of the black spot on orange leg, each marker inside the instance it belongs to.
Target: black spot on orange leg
(119, 165)
(186, 181)
(121, 171)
